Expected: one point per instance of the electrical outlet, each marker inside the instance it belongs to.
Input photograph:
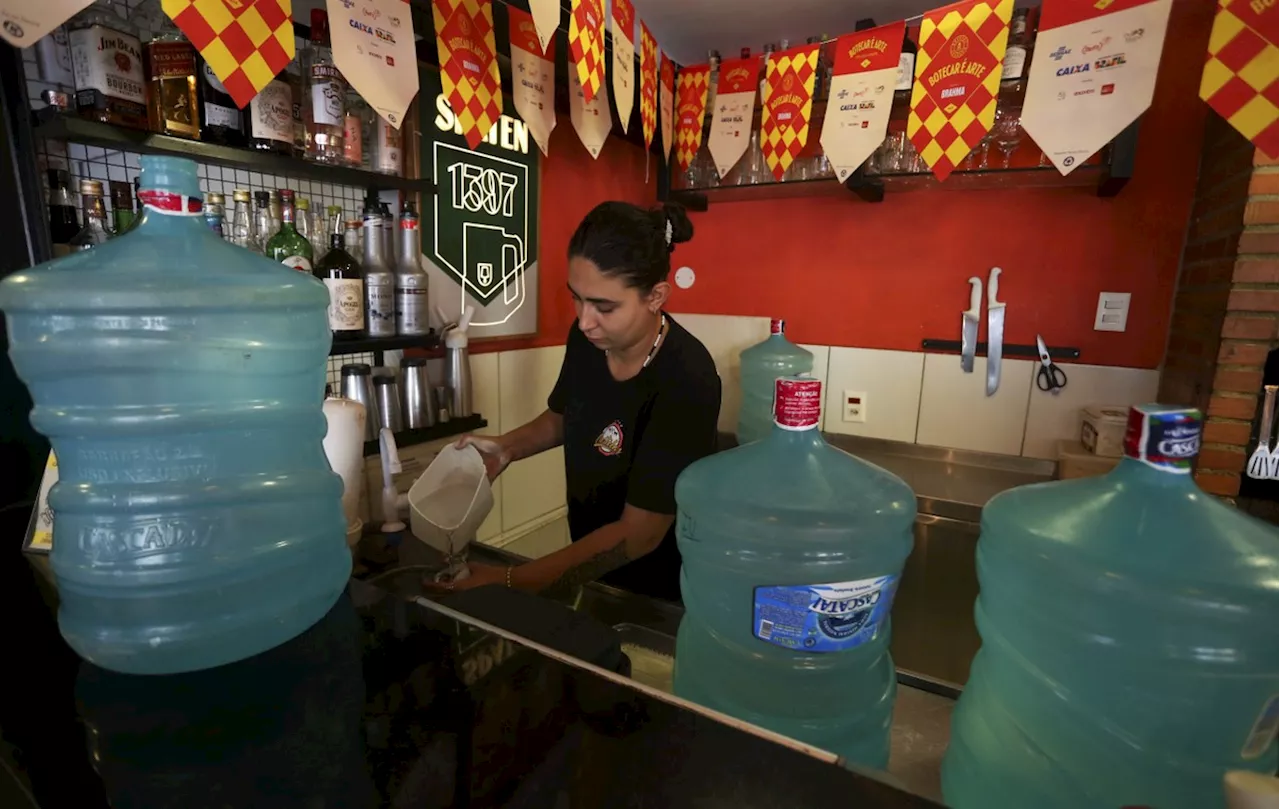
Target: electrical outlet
(1113, 311)
(855, 406)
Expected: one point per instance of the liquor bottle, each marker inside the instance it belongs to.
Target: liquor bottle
(353, 237)
(302, 220)
(356, 122)
(173, 107)
(295, 77)
(379, 280)
(106, 58)
(214, 212)
(63, 222)
(287, 246)
(241, 221)
(388, 235)
(122, 208)
(1015, 55)
(276, 206)
(223, 121)
(263, 229)
(906, 69)
(341, 274)
(387, 155)
(94, 231)
(270, 118)
(326, 94)
(769, 48)
(411, 280)
(53, 52)
(322, 229)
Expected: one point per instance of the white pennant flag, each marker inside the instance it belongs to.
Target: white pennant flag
(1094, 73)
(533, 77)
(546, 18)
(862, 82)
(624, 59)
(731, 117)
(590, 119)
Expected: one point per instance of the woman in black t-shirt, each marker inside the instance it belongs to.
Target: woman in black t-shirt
(636, 402)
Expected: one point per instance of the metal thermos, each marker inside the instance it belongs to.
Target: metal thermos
(357, 385)
(415, 394)
(386, 390)
(457, 375)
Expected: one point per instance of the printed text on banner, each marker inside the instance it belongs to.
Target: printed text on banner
(953, 101)
(224, 42)
(1240, 75)
(546, 19)
(469, 64)
(786, 106)
(624, 59)
(590, 118)
(862, 83)
(731, 119)
(533, 77)
(373, 47)
(691, 109)
(586, 44)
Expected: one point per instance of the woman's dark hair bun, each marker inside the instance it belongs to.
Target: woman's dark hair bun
(681, 228)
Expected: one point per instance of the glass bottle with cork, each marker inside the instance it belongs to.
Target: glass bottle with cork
(107, 61)
(95, 230)
(341, 275)
(326, 96)
(173, 106)
(412, 282)
(288, 246)
(64, 224)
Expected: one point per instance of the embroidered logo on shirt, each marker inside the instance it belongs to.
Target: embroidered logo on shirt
(609, 442)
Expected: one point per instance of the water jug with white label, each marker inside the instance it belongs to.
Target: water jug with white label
(792, 552)
(1129, 642)
(179, 378)
(760, 366)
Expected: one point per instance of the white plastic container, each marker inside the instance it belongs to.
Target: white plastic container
(450, 500)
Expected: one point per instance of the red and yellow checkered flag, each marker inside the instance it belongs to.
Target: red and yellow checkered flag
(586, 45)
(1240, 75)
(786, 104)
(648, 84)
(953, 101)
(469, 64)
(691, 111)
(245, 42)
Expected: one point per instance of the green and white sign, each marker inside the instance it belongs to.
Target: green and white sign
(480, 236)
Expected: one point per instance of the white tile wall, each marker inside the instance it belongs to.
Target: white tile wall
(1052, 418)
(955, 410)
(725, 337)
(891, 381)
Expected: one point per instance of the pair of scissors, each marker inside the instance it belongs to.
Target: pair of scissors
(1049, 377)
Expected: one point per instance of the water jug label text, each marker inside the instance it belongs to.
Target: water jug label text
(823, 617)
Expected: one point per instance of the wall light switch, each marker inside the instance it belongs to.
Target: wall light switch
(1113, 311)
(855, 406)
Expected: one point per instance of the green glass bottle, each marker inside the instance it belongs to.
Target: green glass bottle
(288, 246)
(122, 205)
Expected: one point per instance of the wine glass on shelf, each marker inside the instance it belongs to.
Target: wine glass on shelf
(1006, 132)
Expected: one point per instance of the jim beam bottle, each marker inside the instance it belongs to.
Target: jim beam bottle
(106, 58)
(172, 93)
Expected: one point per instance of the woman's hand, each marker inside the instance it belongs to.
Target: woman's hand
(481, 574)
(496, 456)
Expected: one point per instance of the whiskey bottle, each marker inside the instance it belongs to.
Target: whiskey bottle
(326, 94)
(94, 231)
(172, 100)
(223, 121)
(63, 222)
(106, 59)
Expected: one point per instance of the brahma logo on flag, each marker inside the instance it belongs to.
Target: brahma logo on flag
(648, 84)
(787, 102)
(1240, 75)
(468, 64)
(691, 90)
(862, 83)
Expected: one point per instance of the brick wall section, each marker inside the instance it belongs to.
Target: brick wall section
(1224, 314)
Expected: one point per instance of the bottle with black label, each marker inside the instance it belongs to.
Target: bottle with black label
(106, 58)
(341, 274)
(223, 120)
(379, 280)
(411, 280)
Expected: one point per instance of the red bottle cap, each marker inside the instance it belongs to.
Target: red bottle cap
(777, 326)
(319, 25)
(797, 402)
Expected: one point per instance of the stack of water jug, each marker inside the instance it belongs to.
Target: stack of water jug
(1129, 622)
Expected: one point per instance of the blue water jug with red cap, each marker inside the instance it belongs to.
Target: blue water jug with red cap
(760, 366)
(1129, 639)
(180, 380)
(792, 551)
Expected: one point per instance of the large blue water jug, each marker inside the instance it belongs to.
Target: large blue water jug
(180, 380)
(761, 365)
(792, 553)
(1129, 644)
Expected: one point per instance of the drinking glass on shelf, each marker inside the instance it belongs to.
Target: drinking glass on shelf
(910, 161)
(1006, 132)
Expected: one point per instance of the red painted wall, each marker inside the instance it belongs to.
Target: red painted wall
(845, 272)
(573, 184)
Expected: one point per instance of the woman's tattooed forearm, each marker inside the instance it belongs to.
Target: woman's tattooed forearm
(589, 570)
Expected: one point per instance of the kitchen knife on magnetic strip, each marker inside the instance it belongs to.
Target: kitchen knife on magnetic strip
(969, 325)
(995, 331)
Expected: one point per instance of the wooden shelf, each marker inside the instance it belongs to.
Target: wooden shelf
(74, 129)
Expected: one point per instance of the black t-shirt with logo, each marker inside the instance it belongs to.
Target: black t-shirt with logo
(627, 442)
